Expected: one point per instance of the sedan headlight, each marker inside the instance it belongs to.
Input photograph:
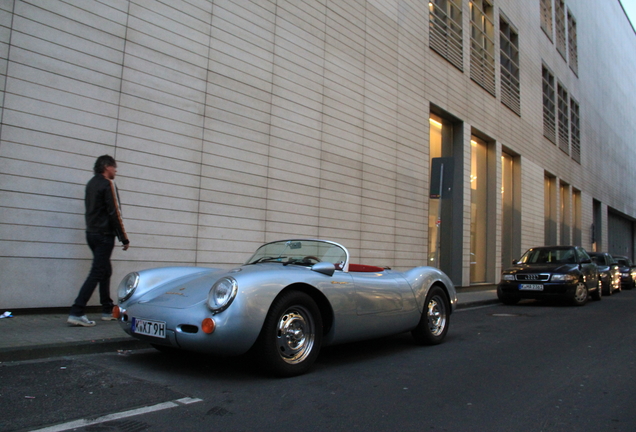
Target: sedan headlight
(127, 286)
(563, 278)
(222, 294)
(508, 277)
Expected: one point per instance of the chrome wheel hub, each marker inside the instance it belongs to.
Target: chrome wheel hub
(295, 335)
(436, 314)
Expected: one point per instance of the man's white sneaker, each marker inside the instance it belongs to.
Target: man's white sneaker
(80, 321)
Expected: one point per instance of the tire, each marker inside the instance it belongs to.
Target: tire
(291, 336)
(608, 291)
(581, 294)
(435, 319)
(598, 294)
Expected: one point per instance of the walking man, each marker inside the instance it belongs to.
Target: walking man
(103, 224)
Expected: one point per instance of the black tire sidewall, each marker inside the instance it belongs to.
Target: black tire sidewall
(265, 347)
(422, 333)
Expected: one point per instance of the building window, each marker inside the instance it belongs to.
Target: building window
(549, 117)
(445, 25)
(549, 208)
(559, 20)
(565, 214)
(575, 131)
(564, 119)
(573, 44)
(510, 88)
(478, 210)
(546, 17)
(577, 237)
(482, 45)
(510, 210)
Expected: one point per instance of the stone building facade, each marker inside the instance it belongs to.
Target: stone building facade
(237, 122)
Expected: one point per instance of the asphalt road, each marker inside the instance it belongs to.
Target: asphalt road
(531, 367)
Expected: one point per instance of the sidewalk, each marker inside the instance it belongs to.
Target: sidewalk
(39, 335)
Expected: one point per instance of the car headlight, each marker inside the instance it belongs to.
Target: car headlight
(563, 278)
(222, 294)
(508, 277)
(127, 286)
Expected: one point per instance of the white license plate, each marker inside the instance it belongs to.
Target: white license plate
(531, 287)
(149, 327)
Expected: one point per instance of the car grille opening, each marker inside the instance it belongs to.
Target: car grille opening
(533, 277)
(188, 328)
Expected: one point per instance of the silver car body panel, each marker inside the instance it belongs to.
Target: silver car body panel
(363, 305)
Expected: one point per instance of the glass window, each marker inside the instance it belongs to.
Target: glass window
(445, 30)
(478, 210)
(565, 214)
(549, 116)
(509, 59)
(440, 146)
(559, 19)
(546, 17)
(482, 45)
(575, 131)
(564, 119)
(573, 48)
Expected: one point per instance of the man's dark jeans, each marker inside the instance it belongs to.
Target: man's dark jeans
(101, 270)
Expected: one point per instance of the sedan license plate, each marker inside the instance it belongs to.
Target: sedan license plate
(531, 287)
(149, 327)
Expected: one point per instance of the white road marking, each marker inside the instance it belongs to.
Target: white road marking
(116, 416)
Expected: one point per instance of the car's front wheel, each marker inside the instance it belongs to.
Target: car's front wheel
(291, 336)
(580, 294)
(435, 319)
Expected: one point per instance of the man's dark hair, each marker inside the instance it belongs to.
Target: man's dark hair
(102, 162)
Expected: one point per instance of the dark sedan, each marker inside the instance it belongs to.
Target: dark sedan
(551, 272)
(608, 271)
(628, 271)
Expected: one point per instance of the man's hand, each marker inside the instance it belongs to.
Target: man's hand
(126, 246)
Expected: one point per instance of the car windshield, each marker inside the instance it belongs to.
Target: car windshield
(622, 262)
(302, 252)
(549, 256)
(598, 259)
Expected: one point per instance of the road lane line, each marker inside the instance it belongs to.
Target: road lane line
(116, 416)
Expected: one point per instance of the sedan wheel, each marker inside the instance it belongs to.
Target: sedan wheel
(435, 319)
(580, 295)
(291, 336)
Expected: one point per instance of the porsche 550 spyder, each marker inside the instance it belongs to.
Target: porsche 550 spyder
(287, 301)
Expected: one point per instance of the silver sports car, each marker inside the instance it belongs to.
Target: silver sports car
(287, 301)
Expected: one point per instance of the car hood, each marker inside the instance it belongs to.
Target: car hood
(542, 268)
(181, 291)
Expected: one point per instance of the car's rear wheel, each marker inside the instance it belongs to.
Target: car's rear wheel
(435, 319)
(580, 294)
(291, 336)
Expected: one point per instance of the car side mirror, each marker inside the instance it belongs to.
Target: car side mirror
(325, 268)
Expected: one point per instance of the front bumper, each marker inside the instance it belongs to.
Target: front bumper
(512, 290)
(183, 329)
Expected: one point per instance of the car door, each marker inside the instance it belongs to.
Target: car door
(588, 268)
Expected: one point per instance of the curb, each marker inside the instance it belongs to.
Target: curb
(477, 303)
(33, 352)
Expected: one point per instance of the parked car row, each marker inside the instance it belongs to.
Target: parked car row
(565, 272)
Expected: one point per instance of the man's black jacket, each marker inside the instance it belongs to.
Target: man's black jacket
(103, 214)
